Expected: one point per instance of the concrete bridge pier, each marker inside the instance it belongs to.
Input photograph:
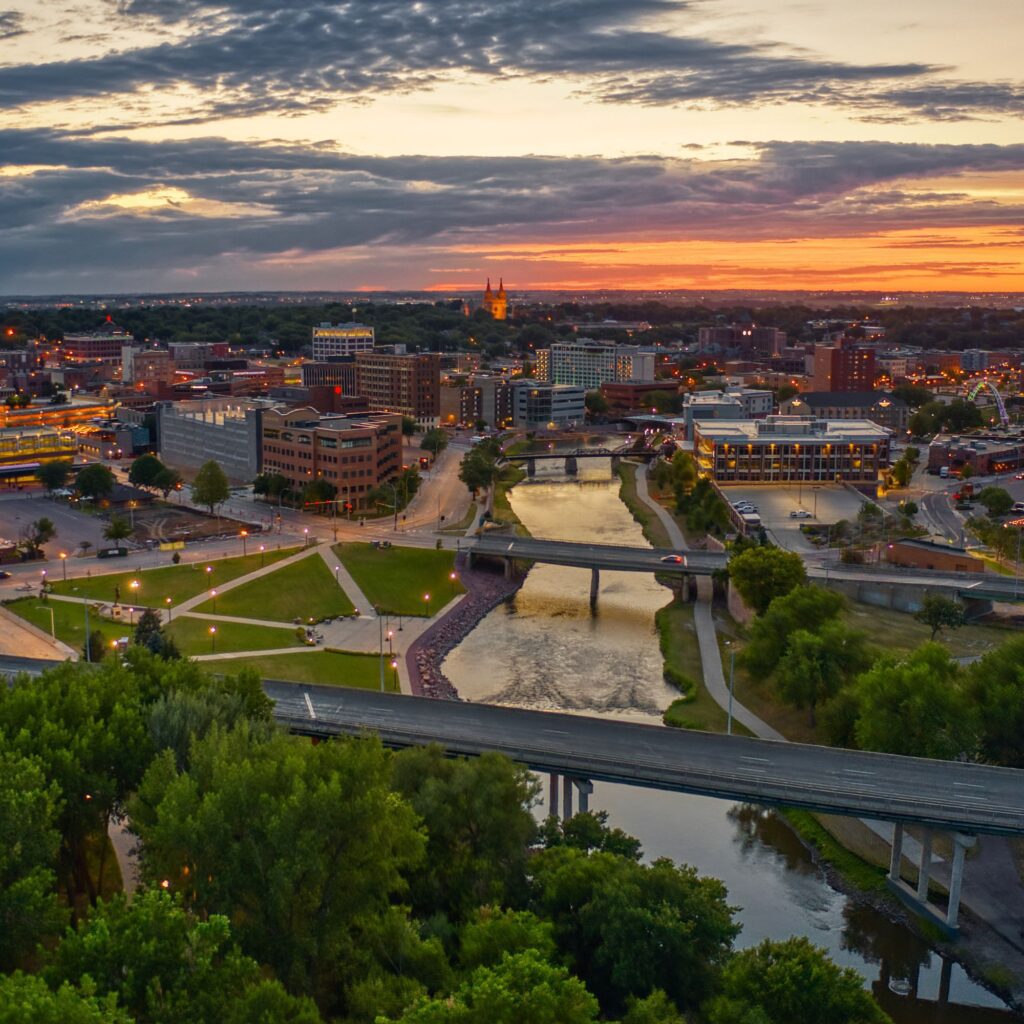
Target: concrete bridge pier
(595, 586)
(918, 899)
(566, 797)
(510, 568)
(553, 795)
(572, 467)
(616, 462)
(584, 787)
(531, 467)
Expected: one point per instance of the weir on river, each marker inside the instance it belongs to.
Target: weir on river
(545, 649)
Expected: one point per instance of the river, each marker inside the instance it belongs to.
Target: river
(545, 650)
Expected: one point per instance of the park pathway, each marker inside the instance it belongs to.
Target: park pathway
(363, 604)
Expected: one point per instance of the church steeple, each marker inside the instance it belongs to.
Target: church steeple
(487, 291)
(496, 303)
(501, 288)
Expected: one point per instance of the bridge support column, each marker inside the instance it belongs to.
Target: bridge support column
(509, 568)
(531, 467)
(584, 787)
(566, 798)
(572, 467)
(945, 976)
(616, 462)
(925, 867)
(553, 795)
(897, 851)
(595, 584)
(961, 844)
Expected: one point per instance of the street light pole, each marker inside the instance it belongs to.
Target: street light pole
(244, 535)
(64, 564)
(380, 648)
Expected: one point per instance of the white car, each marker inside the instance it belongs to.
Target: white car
(800, 513)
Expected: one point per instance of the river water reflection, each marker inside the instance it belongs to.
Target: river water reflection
(545, 650)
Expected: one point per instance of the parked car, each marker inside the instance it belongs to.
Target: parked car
(799, 513)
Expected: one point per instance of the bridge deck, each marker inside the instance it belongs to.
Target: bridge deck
(963, 797)
(596, 556)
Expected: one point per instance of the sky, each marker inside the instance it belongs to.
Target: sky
(186, 145)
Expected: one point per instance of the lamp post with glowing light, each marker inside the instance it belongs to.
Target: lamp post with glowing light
(451, 579)
(213, 594)
(167, 601)
(244, 534)
(426, 604)
(64, 564)
(263, 549)
(305, 536)
(213, 639)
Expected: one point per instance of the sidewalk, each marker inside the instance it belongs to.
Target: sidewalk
(346, 582)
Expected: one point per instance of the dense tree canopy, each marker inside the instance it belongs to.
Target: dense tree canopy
(765, 573)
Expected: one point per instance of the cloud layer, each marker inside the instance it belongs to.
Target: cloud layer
(245, 57)
(109, 206)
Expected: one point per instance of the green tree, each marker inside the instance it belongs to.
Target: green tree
(994, 692)
(912, 454)
(318, 491)
(938, 612)
(434, 441)
(97, 647)
(629, 929)
(493, 932)
(28, 854)
(913, 706)
(165, 965)
(596, 403)
(54, 475)
(966, 471)
(270, 485)
(902, 471)
(763, 574)
(408, 426)
(479, 826)
(791, 982)
(39, 532)
(86, 728)
(210, 487)
(922, 424)
(149, 633)
(588, 831)
(817, 665)
(117, 530)
(303, 846)
(522, 989)
(656, 1008)
(167, 480)
(27, 999)
(997, 500)
(95, 482)
(806, 607)
(145, 471)
(478, 470)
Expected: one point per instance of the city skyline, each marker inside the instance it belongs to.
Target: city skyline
(159, 146)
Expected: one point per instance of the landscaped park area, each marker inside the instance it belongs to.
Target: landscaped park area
(285, 613)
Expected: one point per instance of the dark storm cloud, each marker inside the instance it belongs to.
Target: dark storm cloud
(11, 23)
(252, 56)
(307, 200)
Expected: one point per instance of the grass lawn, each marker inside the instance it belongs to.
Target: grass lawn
(501, 507)
(327, 668)
(68, 620)
(193, 636)
(395, 579)
(305, 590)
(653, 527)
(178, 582)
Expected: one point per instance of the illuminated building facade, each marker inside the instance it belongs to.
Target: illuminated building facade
(496, 303)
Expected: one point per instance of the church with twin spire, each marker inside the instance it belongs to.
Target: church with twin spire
(496, 303)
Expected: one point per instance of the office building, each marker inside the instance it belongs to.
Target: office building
(340, 373)
(194, 355)
(748, 338)
(460, 405)
(632, 395)
(845, 366)
(974, 360)
(357, 454)
(222, 429)
(408, 384)
(141, 366)
(495, 399)
(588, 363)
(539, 405)
(102, 345)
(879, 407)
(334, 341)
(785, 449)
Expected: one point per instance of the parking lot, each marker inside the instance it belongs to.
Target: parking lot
(827, 503)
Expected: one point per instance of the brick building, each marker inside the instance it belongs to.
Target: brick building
(407, 384)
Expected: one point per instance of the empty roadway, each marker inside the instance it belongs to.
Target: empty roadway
(942, 794)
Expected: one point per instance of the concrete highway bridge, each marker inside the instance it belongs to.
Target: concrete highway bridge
(966, 799)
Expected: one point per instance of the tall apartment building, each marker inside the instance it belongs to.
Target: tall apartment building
(587, 363)
(354, 453)
(460, 405)
(495, 399)
(408, 384)
(330, 341)
(845, 366)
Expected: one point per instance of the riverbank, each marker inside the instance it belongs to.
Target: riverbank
(484, 592)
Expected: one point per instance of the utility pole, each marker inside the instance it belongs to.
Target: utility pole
(380, 628)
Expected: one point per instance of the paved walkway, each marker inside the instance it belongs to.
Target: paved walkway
(346, 582)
